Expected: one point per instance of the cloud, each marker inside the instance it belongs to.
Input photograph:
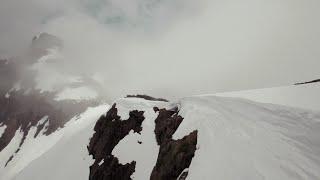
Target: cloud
(176, 47)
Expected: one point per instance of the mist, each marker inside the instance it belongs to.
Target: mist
(174, 48)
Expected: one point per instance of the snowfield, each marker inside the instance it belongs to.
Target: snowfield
(237, 139)
(303, 96)
(240, 139)
(49, 157)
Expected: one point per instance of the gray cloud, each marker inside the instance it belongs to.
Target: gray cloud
(175, 48)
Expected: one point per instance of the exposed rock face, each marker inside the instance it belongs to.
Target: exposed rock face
(146, 97)
(167, 123)
(174, 156)
(109, 131)
(308, 82)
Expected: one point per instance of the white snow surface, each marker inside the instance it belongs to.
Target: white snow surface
(237, 139)
(53, 156)
(302, 96)
(241, 139)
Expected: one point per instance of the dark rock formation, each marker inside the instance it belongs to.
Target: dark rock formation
(183, 176)
(167, 123)
(308, 82)
(174, 155)
(109, 131)
(146, 97)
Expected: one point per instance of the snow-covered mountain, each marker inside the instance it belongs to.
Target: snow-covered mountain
(36, 101)
(200, 137)
(55, 125)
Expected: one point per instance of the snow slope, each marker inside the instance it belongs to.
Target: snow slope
(303, 96)
(69, 159)
(70, 140)
(241, 139)
(238, 139)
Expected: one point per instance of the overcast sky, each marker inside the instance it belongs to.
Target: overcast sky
(175, 47)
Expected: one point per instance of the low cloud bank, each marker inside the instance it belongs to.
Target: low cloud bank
(173, 48)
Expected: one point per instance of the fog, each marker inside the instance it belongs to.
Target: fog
(174, 48)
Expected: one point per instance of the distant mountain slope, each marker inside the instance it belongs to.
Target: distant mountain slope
(236, 139)
(63, 153)
(36, 100)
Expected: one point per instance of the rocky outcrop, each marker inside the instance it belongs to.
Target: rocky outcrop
(167, 123)
(109, 131)
(308, 82)
(174, 155)
(146, 97)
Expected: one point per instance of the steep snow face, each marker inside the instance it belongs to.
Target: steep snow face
(29, 150)
(61, 155)
(302, 96)
(240, 139)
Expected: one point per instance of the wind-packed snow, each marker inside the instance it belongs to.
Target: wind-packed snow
(302, 96)
(64, 150)
(241, 139)
(79, 93)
